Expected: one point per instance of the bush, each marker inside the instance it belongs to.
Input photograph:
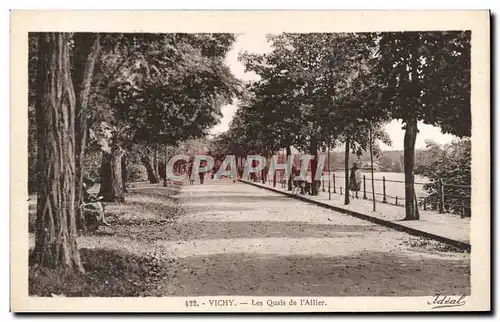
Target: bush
(451, 164)
(136, 172)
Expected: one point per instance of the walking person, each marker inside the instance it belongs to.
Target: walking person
(253, 175)
(202, 174)
(190, 171)
(355, 180)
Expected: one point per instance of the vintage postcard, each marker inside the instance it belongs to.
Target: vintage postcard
(250, 161)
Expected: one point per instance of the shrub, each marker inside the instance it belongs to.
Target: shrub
(136, 172)
(452, 164)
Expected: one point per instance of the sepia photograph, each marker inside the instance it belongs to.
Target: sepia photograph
(251, 169)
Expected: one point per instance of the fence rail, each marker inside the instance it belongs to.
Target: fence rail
(441, 200)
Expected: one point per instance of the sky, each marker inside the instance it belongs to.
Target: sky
(257, 43)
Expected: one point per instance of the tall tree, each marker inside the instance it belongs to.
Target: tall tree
(86, 51)
(55, 239)
(425, 77)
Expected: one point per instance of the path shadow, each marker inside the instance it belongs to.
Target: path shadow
(113, 273)
(196, 209)
(248, 198)
(210, 230)
(366, 274)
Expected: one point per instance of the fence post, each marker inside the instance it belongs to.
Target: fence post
(396, 200)
(323, 184)
(340, 190)
(364, 187)
(334, 191)
(463, 210)
(425, 203)
(441, 196)
(384, 200)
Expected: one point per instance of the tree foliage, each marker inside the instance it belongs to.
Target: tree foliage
(158, 88)
(426, 75)
(174, 86)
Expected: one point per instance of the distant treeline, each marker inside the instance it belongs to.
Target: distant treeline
(387, 161)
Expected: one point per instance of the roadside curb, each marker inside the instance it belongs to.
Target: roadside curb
(382, 222)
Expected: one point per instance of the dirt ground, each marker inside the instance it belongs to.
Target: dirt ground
(225, 238)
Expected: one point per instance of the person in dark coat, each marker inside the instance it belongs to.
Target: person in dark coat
(355, 180)
(203, 163)
(190, 171)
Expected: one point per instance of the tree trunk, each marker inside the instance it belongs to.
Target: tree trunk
(124, 172)
(238, 166)
(242, 166)
(346, 172)
(371, 163)
(263, 172)
(314, 165)
(409, 164)
(150, 168)
(165, 180)
(111, 176)
(329, 176)
(411, 130)
(80, 142)
(157, 164)
(55, 235)
(244, 162)
(417, 213)
(290, 176)
(87, 48)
